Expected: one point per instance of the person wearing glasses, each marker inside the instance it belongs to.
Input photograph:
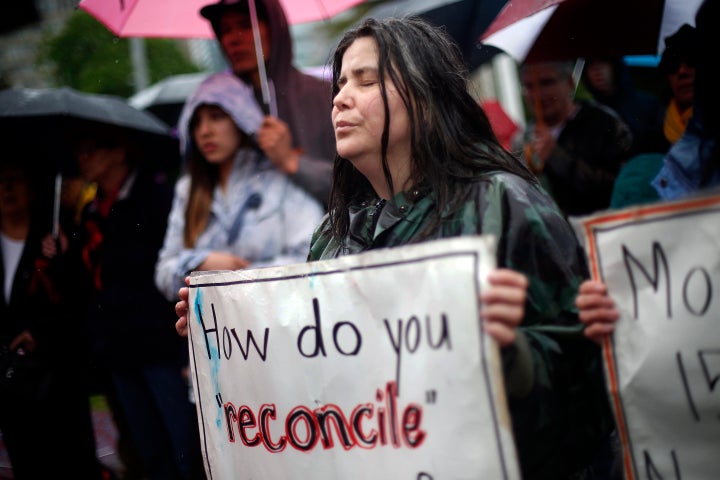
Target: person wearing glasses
(576, 147)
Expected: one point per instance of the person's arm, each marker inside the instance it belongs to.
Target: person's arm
(503, 310)
(308, 106)
(299, 215)
(312, 174)
(553, 373)
(175, 261)
(535, 239)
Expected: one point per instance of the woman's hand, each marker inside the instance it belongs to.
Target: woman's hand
(597, 310)
(181, 309)
(503, 304)
(223, 261)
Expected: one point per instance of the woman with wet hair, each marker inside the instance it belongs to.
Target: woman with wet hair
(416, 161)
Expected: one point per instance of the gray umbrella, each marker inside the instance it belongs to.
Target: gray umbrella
(165, 98)
(43, 116)
(53, 104)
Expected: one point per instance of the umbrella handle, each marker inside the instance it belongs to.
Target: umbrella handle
(56, 207)
(264, 88)
(530, 157)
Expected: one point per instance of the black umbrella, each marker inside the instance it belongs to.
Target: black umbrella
(42, 119)
(58, 104)
(463, 20)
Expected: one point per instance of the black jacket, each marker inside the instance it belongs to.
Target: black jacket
(130, 322)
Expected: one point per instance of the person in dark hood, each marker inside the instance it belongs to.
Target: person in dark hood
(296, 135)
(677, 64)
(610, 83)
(691, 162)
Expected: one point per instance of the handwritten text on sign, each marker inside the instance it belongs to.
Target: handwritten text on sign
(368, 366)
(662, 266)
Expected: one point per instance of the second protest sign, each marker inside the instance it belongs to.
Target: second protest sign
(661, 263)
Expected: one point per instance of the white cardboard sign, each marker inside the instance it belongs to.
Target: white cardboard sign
(366, 366)
(662, 266)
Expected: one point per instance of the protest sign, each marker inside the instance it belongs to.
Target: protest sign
(366, 366)
(661, 264)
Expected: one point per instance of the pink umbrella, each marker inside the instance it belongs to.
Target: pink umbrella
(181, 19)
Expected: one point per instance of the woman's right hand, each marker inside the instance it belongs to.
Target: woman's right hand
(597, 310)
(181, 309)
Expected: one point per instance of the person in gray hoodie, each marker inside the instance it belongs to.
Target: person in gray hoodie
(296, 134)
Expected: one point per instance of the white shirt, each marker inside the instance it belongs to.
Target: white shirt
(11, 252)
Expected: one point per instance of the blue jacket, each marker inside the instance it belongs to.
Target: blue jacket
(687, 167)
(262, 217)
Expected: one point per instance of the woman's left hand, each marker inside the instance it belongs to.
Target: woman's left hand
(503, 304)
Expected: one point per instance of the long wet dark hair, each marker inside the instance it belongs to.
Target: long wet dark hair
(453, 144)
(204, 177)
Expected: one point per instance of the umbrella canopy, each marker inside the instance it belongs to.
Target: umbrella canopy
(464, 20)
(545, 30)
(181, 19)
(165, 98)
(171, 19)
(53, 113)
(55, 105)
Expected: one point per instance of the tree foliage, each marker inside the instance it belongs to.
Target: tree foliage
(86, 56)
